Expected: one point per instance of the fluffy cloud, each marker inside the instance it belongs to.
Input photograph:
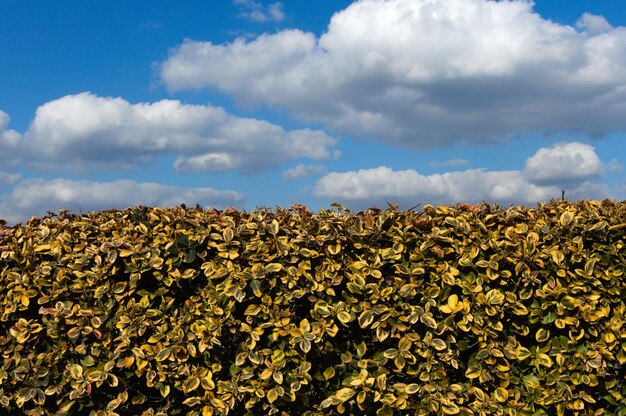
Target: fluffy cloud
(257, 12)
(408, 187)
(8, 179)
(563, 163)
(593, 24)
(7, 137)
(303, 171)
(84, 131)
(34, 197)
(426, 73)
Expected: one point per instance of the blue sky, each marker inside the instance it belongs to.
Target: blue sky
(108, 104)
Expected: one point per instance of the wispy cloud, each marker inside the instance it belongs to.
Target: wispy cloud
(425, 74)
(303, 171)
(257, 12)
(451, 163)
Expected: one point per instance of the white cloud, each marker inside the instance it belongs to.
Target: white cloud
(85, 131)
(408, 187)
(7, 178)
(34, 197)
(564, 163)
(593, 24)
(303, 171)
(257, 12)
(7, 137)
(425, 73)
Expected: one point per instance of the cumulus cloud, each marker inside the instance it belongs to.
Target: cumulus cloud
(34, 197)
(408, 187)
(303, 171)
(84, 131)
(7, 178)
(257, 12)
(593, 24)
(563, 163)
(425, 73)
(8, 138)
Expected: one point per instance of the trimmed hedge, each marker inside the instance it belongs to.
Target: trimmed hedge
(466, 310)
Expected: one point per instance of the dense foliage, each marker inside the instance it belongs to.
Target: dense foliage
(468, 310)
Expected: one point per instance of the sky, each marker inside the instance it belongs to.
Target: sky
(243, 103)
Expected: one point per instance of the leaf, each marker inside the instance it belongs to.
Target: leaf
(501, 394)
(365, 318)
(191, 384)
(273, 268)
(450, 409)
(192, 401)
(557, 256)
(344, 317)
(164, 390)
(412, 388)
(544, 360)
(163, 354)
(495, 297)
(272, 395)
(274, 228)
(566, 218)
(542, 335)
(390, 353)
(329, 373)
(344, 394)
(473, 371)
(439, 344)
(252, 310)
(429, 321)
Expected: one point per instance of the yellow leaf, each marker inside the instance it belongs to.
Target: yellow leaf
(165, 390)
(329, 373)
(542, 335)
(252, 310)
(344, 394)
(473, 372)
(273, 268)
(450, 409)
(453, 300)
(429, 321)
(439, 344)
(495, 297)
(365, 318)
(412, 388)
(344, 317)
(191, 384)
(501, 394)
(272, 395)
(544, 359)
